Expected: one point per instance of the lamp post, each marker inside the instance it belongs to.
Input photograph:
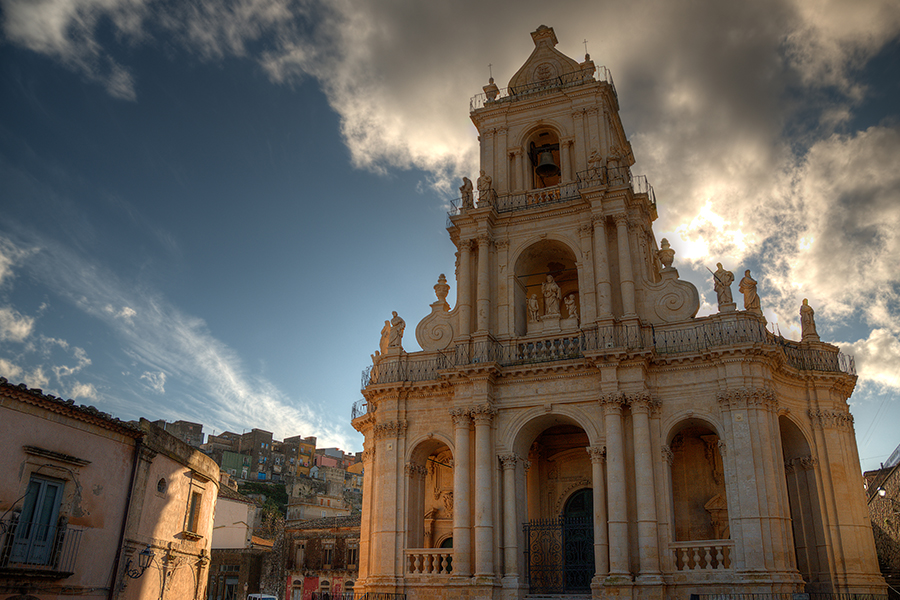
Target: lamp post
(145, 558)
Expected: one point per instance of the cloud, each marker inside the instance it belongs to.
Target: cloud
(156, 380)
(878, 358)
(14, 326)
(82, 390)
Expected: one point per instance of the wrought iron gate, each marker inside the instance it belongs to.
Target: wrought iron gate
(559, 555)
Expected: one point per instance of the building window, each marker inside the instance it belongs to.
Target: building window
(161, 485)
(231, 585)
(36, 528)
(328, 557)
(194, 513)
(352, 556)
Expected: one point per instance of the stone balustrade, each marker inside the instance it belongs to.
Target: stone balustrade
(429, 561)
(703, 555)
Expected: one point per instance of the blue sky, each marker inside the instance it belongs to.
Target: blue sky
(210, 208)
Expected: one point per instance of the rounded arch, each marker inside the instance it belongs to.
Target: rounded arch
(578, 502)
(682, 420)
(553, 260)
(520, 432)
(423, 446)
(795, 442)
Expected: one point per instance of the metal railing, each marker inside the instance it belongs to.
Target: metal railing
(356, 596)
(701, 336)
(790, 596)
(542, 87)
(36, 546)
(360, 408)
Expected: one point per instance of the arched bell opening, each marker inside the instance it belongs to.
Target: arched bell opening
(546, 289)
(429, 495)
(810, 543)
(542, 147)
(699, 498)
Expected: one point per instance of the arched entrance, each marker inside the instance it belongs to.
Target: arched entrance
(559, 536)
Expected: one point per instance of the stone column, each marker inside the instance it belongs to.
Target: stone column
(483, 290)
(462, 547)
(487, 151)
(626, 273)
(601, 269)
(615, 485)
(510, 531)
(385, 525)
(601, 542)
(365, 526)
(581, 134)
(464, 287)
(648, 541)
(501, 166)
(484, 466)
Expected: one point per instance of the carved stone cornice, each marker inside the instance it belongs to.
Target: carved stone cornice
(747, 398)
(414, 470)
(391, 429)
(483, 414)
(831, 419)
(667, 455)
(597, 454)
(508, 461)
(461, 417)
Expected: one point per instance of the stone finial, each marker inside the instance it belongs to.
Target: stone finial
(491, 91)
(666, 254)
(544, 35)
(808, 323)
(441, 289)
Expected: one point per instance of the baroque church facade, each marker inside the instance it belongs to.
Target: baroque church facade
(570, 426)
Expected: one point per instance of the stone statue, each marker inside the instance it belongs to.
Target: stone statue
(385, 337)
(468, 198)
(722, 280)
(807, 323)
(533, 308)
(665, 254)
(570, 306)
(396, 332)
(552, 296)
(748, 288)
(595, 161)
(484, 186)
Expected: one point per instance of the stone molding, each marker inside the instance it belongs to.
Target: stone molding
(508, 461)
(831, 419)
(391, 429)
(747, 398)
(597, 454)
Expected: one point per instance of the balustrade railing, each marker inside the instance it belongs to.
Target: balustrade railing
(36, 546)
(429, 561)
(698, 337)
(360, 408)
(545, 86)
(703, 555)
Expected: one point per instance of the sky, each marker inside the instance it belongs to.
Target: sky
(209, 208)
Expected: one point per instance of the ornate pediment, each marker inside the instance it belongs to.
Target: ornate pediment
(546, 63)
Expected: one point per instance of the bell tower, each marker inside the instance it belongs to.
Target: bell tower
(556, 236)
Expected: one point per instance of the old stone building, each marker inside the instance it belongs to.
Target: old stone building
(571, 426)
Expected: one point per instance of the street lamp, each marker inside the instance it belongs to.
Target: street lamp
(145, 558)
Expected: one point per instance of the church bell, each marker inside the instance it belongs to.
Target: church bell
(546, 167)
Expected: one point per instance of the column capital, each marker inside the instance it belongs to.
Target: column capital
(466, 245)
(597, 453)
(484, 239)
(585, 230)
(414, 470)
(612, 402)
(508, 461)
(748, 398)
(462, 417)
(620, 219)
(483, 414)
(641, 403)
(831, 419)
(667, 455)
(390, 429)
(368, 455)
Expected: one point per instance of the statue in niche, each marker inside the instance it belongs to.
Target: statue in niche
(385, 337)
(552, 296)
(396, 332)
(665, 254)
(468, 198)
(722, 280)
(807, 322)
(484, 186)
(571, 309)
(748, 288)
(533, 308)
(595, 161)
